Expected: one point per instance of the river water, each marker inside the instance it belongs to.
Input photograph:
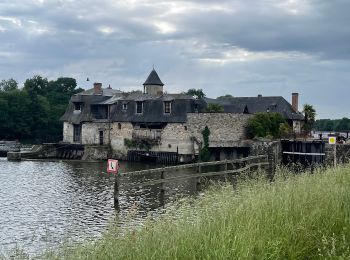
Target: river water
(44, 204)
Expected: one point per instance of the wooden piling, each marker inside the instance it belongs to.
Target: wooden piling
(162, 189)
(116, 192)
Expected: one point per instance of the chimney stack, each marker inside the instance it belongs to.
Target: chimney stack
(97, 88)
(295, 101)
(259, 95)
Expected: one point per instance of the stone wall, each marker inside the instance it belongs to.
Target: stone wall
(90, 133)
(262, 147)
(96, 152)
(342, 154)
(67, 132)
(175, 137)
(119, 132)
(226, 129)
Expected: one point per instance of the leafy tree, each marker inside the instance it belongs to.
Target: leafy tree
(343, 125)
(285, 130)
(310, 115)
(196, 93)
(32, 113)
(36, 85)
(227, 96)
(267, 124)
(214, 108)
(15, 115)
(8, 85)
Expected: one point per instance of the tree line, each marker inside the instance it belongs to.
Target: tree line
(338, 125)
(32, 113)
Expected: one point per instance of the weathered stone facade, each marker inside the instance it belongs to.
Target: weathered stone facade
(226, 129)
(67, 132)
(175, 137)
(119, 132)
(162, 123)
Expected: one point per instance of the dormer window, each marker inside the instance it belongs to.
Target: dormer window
(77, 106)
(125, 106)
(167, 107)
(139, 107)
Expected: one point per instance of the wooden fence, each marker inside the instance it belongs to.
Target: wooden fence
(229, 169)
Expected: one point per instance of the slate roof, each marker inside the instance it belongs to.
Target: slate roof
(153, 110)
(252, 105)
(153, 79)
(105, 92)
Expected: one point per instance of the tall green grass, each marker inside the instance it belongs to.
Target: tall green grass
(301, 217)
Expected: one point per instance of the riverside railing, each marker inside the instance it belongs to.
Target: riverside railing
(229, 169)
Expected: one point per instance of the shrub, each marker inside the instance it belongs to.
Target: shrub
(265, 124)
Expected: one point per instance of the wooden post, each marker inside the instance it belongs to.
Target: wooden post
(335, 155)
(162, 189)
(234, 177)
(116, 192)
(198, 184)
(109, 124)
(199, 169)
(225, 169)
(271, 167)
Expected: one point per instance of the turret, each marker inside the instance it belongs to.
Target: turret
(153, 85)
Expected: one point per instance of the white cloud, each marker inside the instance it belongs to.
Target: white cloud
(13, 20)
(106, 29)
(164, 27)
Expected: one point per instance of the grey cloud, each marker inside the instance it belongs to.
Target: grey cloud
(323, 30)
(75, 46)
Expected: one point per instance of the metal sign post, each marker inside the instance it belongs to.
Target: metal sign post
(333, 141)
(113, 167)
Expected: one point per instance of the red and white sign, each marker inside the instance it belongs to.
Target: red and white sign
(112, 166)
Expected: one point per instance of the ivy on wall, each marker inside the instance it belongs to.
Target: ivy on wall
(137, 144)
(204, 154)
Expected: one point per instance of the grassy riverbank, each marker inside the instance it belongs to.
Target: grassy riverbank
(305, 216)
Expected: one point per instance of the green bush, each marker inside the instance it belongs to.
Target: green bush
(214, 108)
(267, 124)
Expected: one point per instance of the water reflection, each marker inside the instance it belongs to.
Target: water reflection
(44, 204)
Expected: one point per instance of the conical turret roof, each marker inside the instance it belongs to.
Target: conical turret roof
(153, 79)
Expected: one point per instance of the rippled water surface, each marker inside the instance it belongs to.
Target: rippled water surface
(44, 204)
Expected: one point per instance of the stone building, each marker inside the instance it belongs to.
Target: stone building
(153, 123)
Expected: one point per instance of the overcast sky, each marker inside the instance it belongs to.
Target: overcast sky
(242, 47)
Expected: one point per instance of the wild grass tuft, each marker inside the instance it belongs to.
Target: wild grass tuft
(305, 216)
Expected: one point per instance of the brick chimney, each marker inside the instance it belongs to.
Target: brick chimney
(295, 101)
(97, 88)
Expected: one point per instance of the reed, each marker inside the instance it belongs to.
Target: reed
(304, 216)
